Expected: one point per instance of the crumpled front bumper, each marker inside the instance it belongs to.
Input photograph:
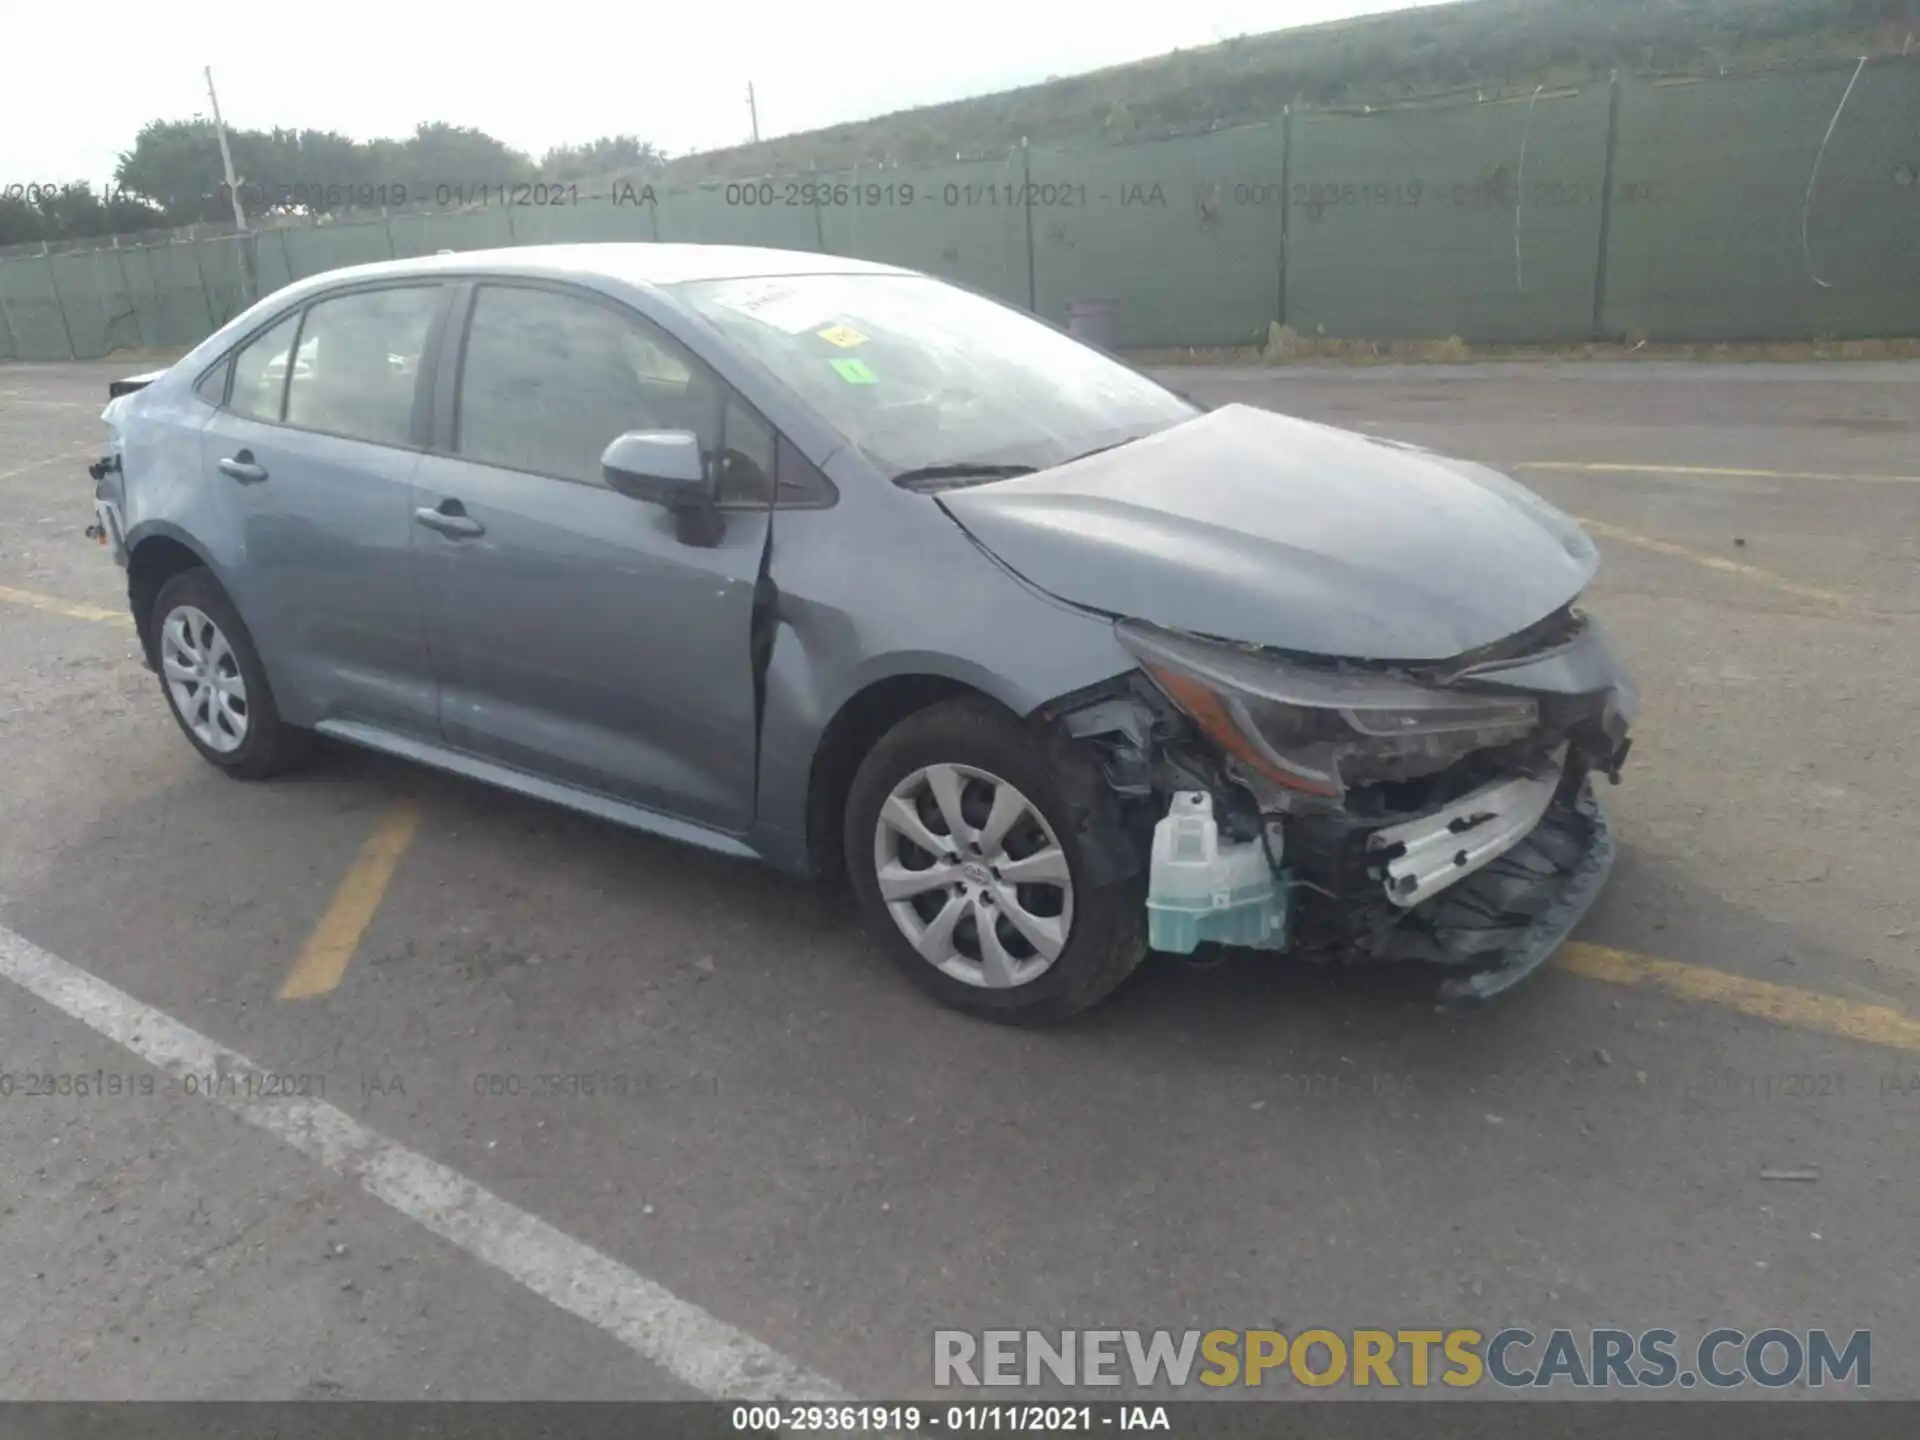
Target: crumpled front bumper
(1548, 930)
(1494, 928)
(1479, 871)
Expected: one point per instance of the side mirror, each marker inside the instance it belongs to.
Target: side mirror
(664, 467)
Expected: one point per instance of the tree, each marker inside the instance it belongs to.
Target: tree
(72, 212)
(627, 156)
(440, 154)
(174, 165)
(20, 222)
(299, 171)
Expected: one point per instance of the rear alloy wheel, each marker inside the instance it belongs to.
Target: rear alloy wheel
(203, 680)
(967, 864)
(214, 681)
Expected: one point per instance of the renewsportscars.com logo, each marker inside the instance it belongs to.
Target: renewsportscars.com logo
(1513, 1358)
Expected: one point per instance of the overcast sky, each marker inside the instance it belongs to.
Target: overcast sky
(81, 77)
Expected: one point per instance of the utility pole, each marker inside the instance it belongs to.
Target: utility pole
(226, 163)
(226, 155)
(753, 110)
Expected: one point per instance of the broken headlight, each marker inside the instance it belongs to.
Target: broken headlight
(1320, 731)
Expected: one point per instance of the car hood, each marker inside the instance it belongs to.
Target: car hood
(1252, 526)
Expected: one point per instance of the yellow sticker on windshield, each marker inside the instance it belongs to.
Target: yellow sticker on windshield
(845, 336)
(854, 372)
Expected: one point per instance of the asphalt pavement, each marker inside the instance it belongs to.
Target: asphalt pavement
(560, 1111)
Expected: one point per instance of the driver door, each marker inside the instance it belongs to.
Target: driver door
(575, 637)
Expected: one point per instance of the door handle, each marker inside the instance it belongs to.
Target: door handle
(242, 467)
(450, 518)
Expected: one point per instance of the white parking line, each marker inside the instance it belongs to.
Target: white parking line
(672, 1333)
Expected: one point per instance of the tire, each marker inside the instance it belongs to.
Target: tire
(974, 751)
(191, 602)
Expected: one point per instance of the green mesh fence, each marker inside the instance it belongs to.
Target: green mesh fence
(223, 276)
(31, 311)
(625, 217)
(1481, 221)
(90, 308)
(745, 212)
(321, 248)
(1490, 221)
(272, 261)
(169, 294)
(1713, 236)
(951, 220)
(1183, 236)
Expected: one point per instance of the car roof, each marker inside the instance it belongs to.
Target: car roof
(637, 262)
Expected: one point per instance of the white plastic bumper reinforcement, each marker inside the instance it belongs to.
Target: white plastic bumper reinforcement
(1479, 827)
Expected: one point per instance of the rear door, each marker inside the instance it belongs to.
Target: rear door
(317, 444)
(576, 637)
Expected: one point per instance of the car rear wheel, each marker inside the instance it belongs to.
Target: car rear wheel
(214, 681)
(968, 866)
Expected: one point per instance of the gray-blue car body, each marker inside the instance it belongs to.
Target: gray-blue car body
(1054, 663)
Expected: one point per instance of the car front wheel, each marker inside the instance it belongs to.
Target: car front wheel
(968, 865)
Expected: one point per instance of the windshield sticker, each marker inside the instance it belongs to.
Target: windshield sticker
(854, 372)
(845, 336)
(781, 306)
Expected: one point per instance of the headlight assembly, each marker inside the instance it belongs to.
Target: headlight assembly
(1320, 732)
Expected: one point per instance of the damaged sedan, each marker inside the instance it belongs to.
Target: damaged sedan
(848, 569)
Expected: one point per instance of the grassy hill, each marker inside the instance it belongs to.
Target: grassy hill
(1494, 45)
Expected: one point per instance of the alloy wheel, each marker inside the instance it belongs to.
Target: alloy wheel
(203, 679)
(973, 875)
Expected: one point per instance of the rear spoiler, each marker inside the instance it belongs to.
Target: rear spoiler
(130, 383)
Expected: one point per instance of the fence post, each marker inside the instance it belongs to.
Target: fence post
(59, 304)
(1606, 206)
(249, 277)
(820, 225)
(126, 287)
(106, 311)
(1026, 205)
(1286, 202)
(206, 295)
(6, 322)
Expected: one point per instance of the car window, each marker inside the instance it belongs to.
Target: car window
(549, 380)
(213, 385)
(653, 362)
(746, 464)
(919, 373)
(354, 372)
(259, 372)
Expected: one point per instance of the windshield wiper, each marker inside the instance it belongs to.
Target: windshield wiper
(930, 475)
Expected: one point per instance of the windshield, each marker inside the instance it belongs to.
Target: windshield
(919, 374)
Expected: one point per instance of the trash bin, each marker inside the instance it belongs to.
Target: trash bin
(1092, 321)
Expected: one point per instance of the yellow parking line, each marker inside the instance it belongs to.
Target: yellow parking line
(1730, 472)
(324, 958)
(1782, 1004)
(72, 609)
(1720, 563)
